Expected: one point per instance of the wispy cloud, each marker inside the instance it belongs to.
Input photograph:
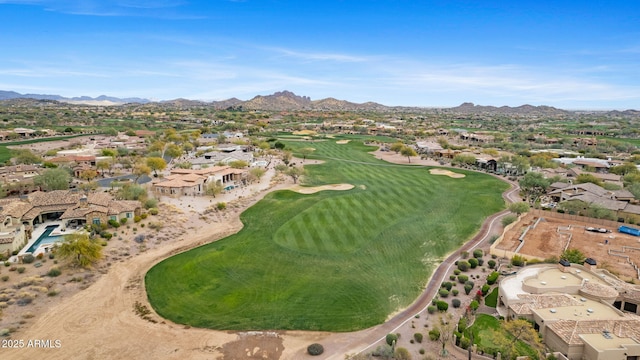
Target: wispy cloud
(317, 56)
(166, 9)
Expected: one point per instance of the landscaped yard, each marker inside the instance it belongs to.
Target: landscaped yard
(334, 260)
(484, 329)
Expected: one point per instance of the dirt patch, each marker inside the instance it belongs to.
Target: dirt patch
(448, 173)
(552, 235)
(342, 142)
(315, 189)
(254, 345)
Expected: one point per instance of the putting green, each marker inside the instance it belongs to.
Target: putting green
(332, 260)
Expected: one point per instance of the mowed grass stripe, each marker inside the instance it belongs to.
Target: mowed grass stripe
(332, 261)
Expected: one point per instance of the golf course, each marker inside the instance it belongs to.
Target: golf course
(332, 260)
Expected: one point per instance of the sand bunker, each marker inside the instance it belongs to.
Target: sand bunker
(446, 173)
(304, 132)
(315, 189)
(342, 141)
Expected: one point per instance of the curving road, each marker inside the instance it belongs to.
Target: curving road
(366, 340)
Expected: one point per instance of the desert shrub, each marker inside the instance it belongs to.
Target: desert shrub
(21, 269)
(462, 278)
(391, 339)
(468, 288)
(139, 238)
(421, 351)
(455, 292)
(153, 211)
(315, 349)
(485, 289)
(464, 343)
(455, 303)
(493, 277)
(480, 261)
(5, 278)
(464, 254)
(462, 324)
(474, 305)
(52, 256)
(469, 282)
(447, 285)
(151, 203)
(156, 225)
(402, 354)
(7, 264)
(478, 253)
(221, 205)
(25, 298)
(53, 272)
(430, 309)
(456, 271)
(144, 215)
(40, 256)
(452, 277)
(463, 265)
(28, 259)
(137, 218)
(434, 334)
(493, 239)
(418, 337)
(442, 305)
(473, 263)
(106, 235)
(517, 260)
(114, 223)
(508, 219)
(52, 293)
(443, 293)
(492, 264)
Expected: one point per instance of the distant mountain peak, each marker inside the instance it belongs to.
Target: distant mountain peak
(100, 100)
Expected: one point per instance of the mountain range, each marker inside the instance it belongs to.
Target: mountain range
(288, 101)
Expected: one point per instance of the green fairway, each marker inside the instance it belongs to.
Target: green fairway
(334, 260)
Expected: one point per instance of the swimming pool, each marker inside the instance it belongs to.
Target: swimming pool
(45, 239)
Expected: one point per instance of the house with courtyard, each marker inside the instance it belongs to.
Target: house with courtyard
(193, 182)
(74, 209)
(581, 311)
(618, 201)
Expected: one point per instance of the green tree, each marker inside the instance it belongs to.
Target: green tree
(53, 179)
(519, 207)
(305, 152)
(103, 165)
(214, 188)
(286, 157)
(140, 169)
(295, 173)
(80, 250)
(88, 174)
(396, 147)
(511, 332)
(238, 164)
(463, 159)
(155, 164)
(408, 152)
(624, 169)
(534, 185)
(588, 178)
(25, 156)
(256, 173)
(574, 256)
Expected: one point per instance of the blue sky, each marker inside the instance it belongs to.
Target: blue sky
(568, 54)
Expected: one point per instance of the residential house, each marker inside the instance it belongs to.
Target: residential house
(73, 207)
(189, 182)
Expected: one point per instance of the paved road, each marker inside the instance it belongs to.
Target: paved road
(366, 340)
